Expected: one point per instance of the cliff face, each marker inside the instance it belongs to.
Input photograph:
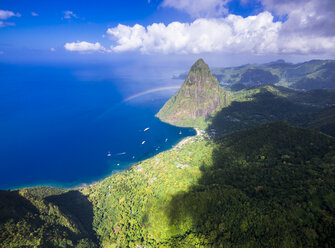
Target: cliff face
(198, 98)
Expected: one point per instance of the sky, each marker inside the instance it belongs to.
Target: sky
(224, 32)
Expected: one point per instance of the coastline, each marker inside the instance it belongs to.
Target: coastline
(186, 139)
(179, 144)
(127, 166)
(199, 131)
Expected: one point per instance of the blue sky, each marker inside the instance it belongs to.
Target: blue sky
(255, 30)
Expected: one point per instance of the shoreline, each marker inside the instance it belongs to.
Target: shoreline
(199, 131)
(186, 139)
(84, 185)
(180, 143)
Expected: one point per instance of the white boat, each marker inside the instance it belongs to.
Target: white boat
(109, 154)
(146, 129)
(121, 153)
(166, 139)
(179, 132)
(143, 142)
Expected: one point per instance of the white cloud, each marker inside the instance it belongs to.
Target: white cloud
(5, 24)
(83, 46)
(306, 27)
(309, 25)
(128, 38)
(310, 17)
(296, 43)
(52, 49)
(199, 8)
(6, 14)
(233, 33)
(34, 14)
(69, 14)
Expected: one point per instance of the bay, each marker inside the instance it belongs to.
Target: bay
(60, 130)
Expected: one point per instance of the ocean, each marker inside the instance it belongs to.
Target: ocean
(59, 127)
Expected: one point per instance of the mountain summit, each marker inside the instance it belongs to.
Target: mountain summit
(199, 97)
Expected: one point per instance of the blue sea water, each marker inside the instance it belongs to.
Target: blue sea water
(59, 129)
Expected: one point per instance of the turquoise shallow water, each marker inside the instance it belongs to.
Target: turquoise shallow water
(60, 131)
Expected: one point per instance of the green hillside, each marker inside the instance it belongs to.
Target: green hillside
(198, 98)
(270, 186)
(314, 74)
(324, 121)
(45, 217)
(263, 189)
(265, 104)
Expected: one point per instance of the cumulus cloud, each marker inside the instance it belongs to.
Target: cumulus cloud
(69, 14)
(310, 17)
(306, 27)
(6, 14)
(233, 33)
(34, 14)
(306, 45)
(199, 8)
(83, 46)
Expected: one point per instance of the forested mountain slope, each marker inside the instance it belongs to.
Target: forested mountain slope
(314, 74)
(45, 217)
(265, 104)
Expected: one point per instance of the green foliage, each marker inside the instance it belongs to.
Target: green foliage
(263, 107)
(265, 104)
(264, 189)
(324, 121)
(317, 98)
(258, 77)
(29, 219)
(314, 74)
(130, 207)
(322, 79)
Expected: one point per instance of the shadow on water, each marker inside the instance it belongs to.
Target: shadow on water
(266, 186)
